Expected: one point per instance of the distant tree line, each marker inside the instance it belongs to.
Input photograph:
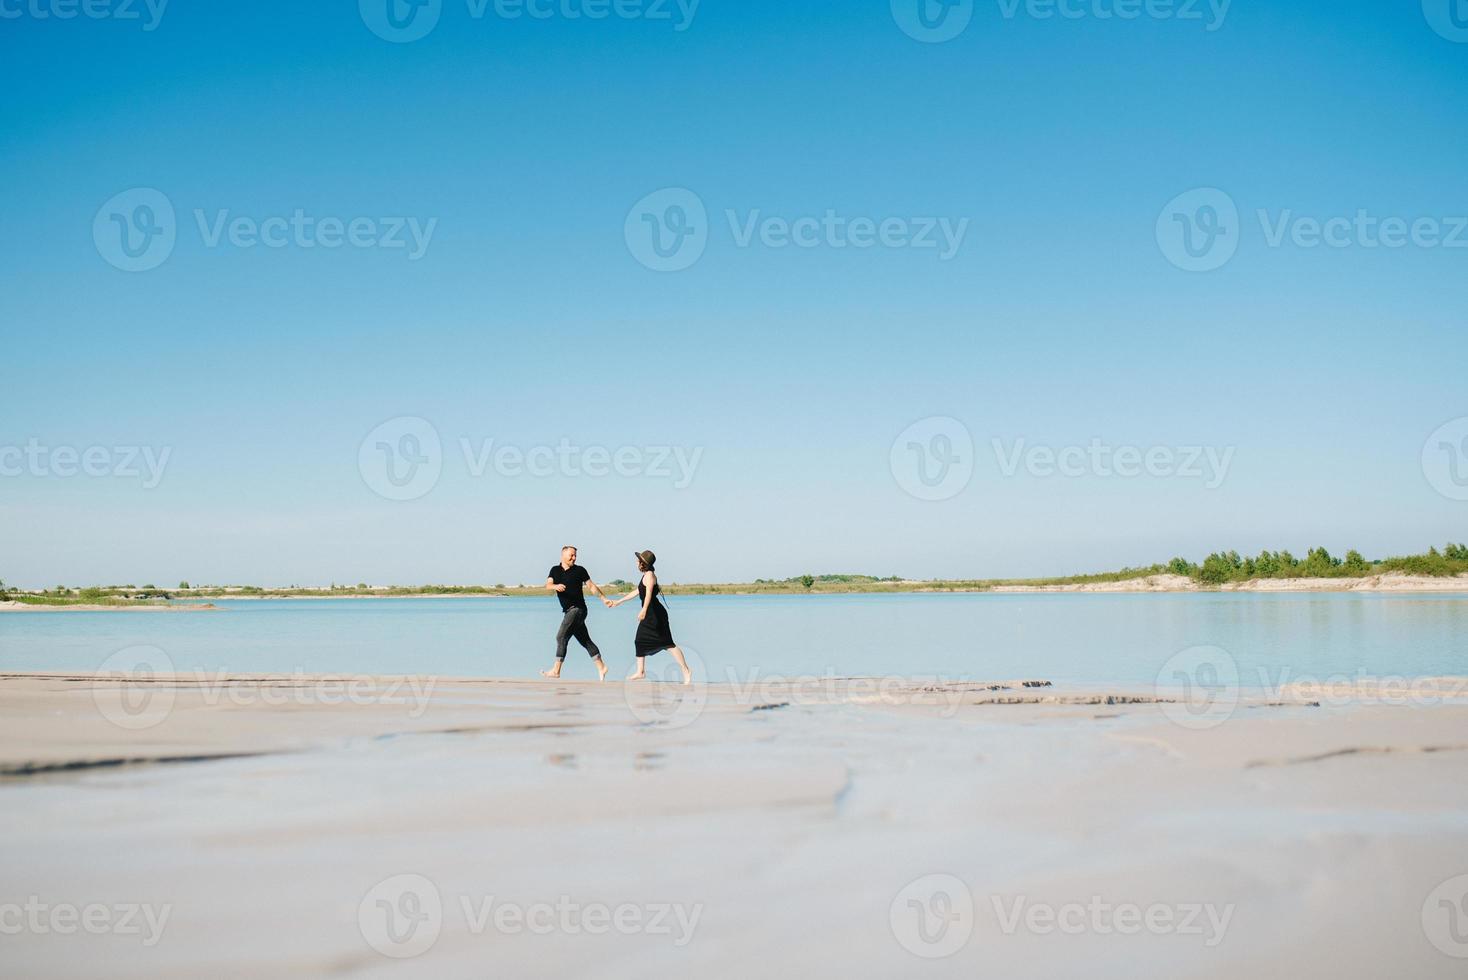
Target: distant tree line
(1228, 566)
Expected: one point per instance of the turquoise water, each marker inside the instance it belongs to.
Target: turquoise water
(1065, 638)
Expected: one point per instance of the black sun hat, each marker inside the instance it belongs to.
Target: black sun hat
(646, 557)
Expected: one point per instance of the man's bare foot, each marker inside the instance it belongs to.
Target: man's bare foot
(601, 668)
(555, 673)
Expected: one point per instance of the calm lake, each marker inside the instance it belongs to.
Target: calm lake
(1064, 638)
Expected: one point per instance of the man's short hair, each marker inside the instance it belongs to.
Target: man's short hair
(568, 547)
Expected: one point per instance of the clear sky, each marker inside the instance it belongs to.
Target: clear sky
(1063, 309)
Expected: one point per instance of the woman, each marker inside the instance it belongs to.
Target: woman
(653, 632)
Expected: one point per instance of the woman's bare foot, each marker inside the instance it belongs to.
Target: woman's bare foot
(637, 676)
(555, 672)
(601, 669)
(682, 665)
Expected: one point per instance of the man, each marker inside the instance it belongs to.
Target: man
(566, 580)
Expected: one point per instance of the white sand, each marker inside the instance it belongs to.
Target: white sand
(791, 818)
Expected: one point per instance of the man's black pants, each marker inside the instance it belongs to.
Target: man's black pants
(574, 624)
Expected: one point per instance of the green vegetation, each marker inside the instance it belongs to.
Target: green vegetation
(1220, 568)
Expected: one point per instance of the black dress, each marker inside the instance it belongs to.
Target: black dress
(653, 633)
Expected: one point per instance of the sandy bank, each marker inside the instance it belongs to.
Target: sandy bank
(10, 606)
(1389, 582)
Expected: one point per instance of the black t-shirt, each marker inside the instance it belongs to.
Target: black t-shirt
(571, 578)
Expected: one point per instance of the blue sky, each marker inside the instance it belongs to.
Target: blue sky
(525, 143)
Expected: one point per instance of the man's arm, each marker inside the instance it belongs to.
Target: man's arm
(550, 583)
(597, 589)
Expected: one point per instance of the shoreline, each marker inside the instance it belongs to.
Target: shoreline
(9, 606)
(1388, 583)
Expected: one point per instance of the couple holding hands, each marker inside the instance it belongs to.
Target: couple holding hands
(653, 632)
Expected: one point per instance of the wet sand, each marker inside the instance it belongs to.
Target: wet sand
(434, 827)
